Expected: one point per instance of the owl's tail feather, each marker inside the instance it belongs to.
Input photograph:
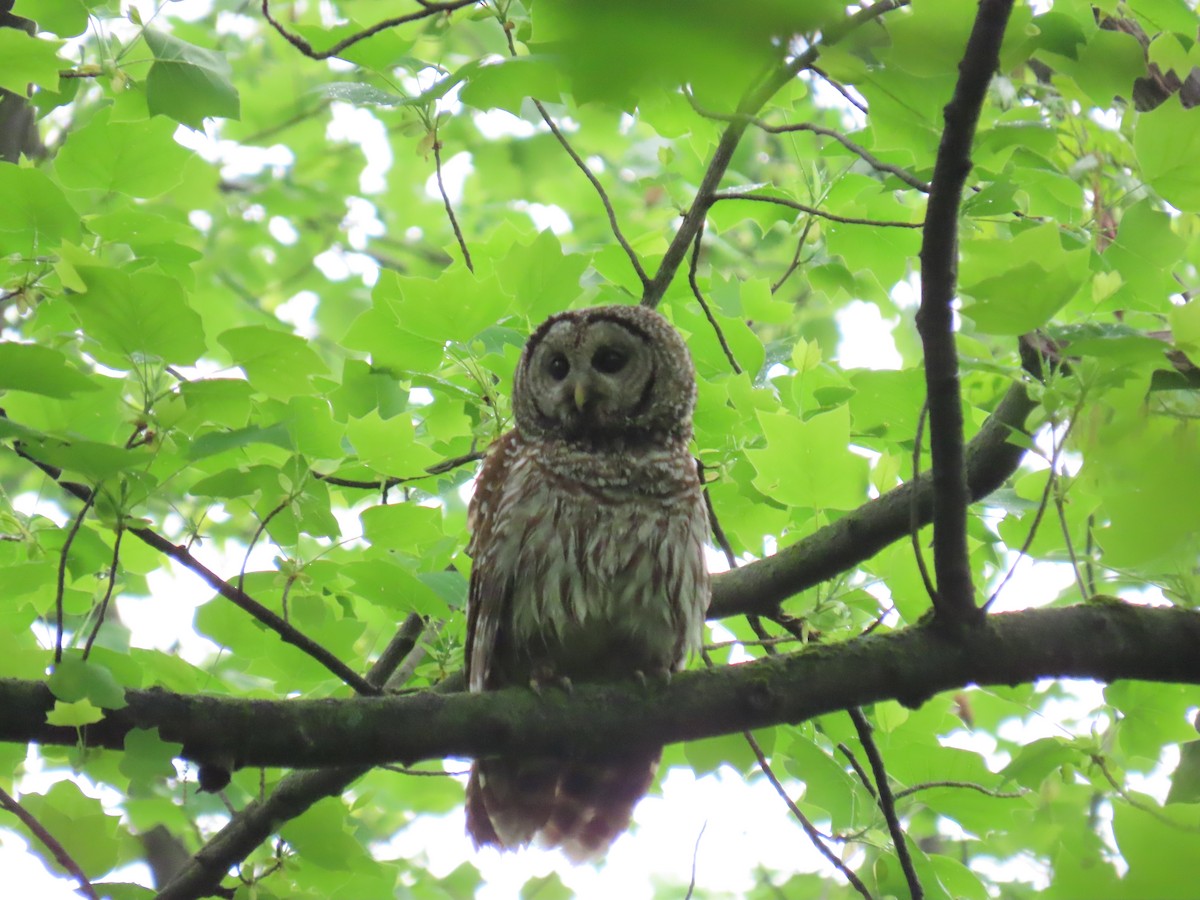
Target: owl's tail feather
(581, 807)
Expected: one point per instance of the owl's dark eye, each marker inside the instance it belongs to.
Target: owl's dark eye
(609, 360)
(558, 367)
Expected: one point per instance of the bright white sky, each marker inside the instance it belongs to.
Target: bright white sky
(745, 824)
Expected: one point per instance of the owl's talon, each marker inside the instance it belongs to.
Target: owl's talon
(545, 678)
(654, 676)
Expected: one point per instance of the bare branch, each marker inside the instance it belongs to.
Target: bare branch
(251, 826)
(287, 633)
(812, 210)
(441, 468)
(458, 235)
(60, 854)
(61, 584)
(935, 318)
(427, 10)
(857, 149)
(108, 592)
(887, 803)
(699, 295)
(749, 106)
(805, 823)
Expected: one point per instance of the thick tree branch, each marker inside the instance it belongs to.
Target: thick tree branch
(747, 109)
(759, 587)
(955, 599)
(1103, 641)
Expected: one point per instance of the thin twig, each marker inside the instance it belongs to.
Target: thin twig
(108, 591)
(458, 235)
(811, 830)
(48, 840)
(427, 10)
(857, 149)
(840, 88)
(441, 468)
(608, 207)
(62, 575)
(795, 263)
(1152, 811)
(887, 803)
(858, 769)
(1060, 505)
(287, 633)
(695, 856)
(699, 295)
(935, 317)
(812, 210)
(254, 824)
(914, 528)
(749, 105)
(615, 226)
(258, 532)
(969, 785)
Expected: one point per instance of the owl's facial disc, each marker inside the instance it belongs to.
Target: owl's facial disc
(592, 378)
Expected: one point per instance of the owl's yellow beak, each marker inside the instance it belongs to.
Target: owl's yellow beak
(581, 396)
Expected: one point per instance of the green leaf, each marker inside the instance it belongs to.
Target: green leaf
(40, 370)
(73, 680)
(276, 362)
(1167, 143)
(28, 59)
(188, 83)
(74, 715)
(140, 159)
(37, 216)
(1018, 285)
(66, 18)
(389, 446)
(78, 822)
(141, 314)
(806, 464)
(1185, 780)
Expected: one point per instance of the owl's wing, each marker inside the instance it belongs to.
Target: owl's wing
(490, 589)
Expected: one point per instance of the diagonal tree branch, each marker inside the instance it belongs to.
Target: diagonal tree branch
(747, 109)
(1103, 641)
(426, 10)
(57, 850)
(288, 633)
(955, 598)
(255, 823)
(759, 587)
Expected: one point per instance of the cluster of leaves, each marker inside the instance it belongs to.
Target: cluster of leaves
(227, 329)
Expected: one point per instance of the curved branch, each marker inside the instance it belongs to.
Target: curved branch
(180, 553)
(760, 586)
(749, 106)
(955, 598)
(427, 10)
(253, 824)
(1102, 641)
(813, 211)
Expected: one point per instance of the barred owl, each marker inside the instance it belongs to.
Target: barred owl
(588, 527)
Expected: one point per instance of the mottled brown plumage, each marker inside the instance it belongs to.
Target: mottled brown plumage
(588, 527)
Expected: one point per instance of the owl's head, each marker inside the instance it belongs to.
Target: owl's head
(606, 372)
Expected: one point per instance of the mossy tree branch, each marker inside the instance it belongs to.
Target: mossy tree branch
(1103, 641)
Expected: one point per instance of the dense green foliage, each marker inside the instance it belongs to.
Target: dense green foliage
(237, 307)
